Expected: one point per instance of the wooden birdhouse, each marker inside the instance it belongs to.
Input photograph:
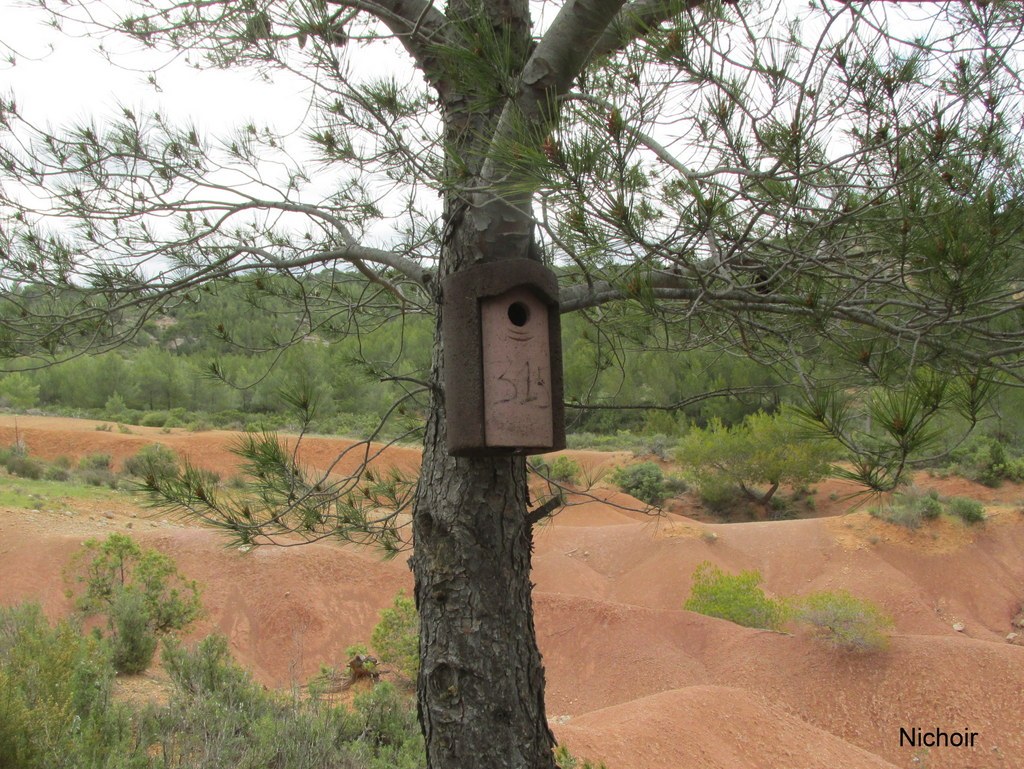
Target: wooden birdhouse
(501, 331)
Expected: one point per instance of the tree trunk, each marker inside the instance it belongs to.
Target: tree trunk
(481, 684)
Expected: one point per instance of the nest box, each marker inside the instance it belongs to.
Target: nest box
(501, 331)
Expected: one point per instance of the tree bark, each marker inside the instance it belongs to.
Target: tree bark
(481, 682)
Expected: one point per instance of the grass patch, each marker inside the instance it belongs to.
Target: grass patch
(31, 494)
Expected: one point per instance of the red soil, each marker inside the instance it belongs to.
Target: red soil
(632, 678)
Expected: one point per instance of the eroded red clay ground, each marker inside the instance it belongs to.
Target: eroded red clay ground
(632, 678)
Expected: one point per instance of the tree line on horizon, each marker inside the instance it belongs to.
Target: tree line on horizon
(228, 360)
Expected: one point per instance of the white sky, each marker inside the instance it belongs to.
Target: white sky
(57, 77)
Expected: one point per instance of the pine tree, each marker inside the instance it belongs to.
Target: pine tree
(819, 188)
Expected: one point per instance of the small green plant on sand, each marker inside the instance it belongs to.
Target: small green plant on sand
(734, 597)
(910, 508)
(844, 621)
(645, 481)
(566, 760)
(564, 470)
(967, 510)
(838, 618)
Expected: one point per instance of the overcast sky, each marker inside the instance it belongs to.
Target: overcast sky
(57, 77)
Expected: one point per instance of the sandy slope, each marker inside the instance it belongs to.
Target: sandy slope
(633, 679)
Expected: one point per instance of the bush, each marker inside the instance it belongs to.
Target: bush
(986, 460)
(564, 470)
(560, 470)
(57, 473)
(910, 507)
(55, 706)
(396, 638)
(115, 408)
(18, 391)
(719, 494)
(388, 721)
(931, 506)
(153, 462)
(219, 717)
(95, 470)
(968, 510)
(133, 642)
(899, 515)
(95, 462)
(207, 671)
(765, 450)
(645, 481)
(844, 621)
(139, 591)
(154, 419)
(566, 760)
(735, 597)
(24, 467)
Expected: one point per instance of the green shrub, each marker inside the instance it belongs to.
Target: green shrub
(18, 391)
(735, 597)
(95, 470)
(95, 462)
(219, 717)
(133, 641)
(153, 462)
(766, 450)
(115, 407)
(154, 419)
(55, 472)
(968, 510)
(676, 485)
(24, 467)
(207, 671)
(396, 638)
(931, 506)
(908, 517)
(561, 469)
(566, 760)
(215, 711)
(986, 460)
(645, 481)
(139, 591)
(388, 722)
(719, 494)
(564, 470)
(55, 704)
(910, 508)
(844, 621)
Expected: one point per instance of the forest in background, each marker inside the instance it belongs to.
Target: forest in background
(238, 355)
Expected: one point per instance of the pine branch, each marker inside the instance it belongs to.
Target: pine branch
(555, 63)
